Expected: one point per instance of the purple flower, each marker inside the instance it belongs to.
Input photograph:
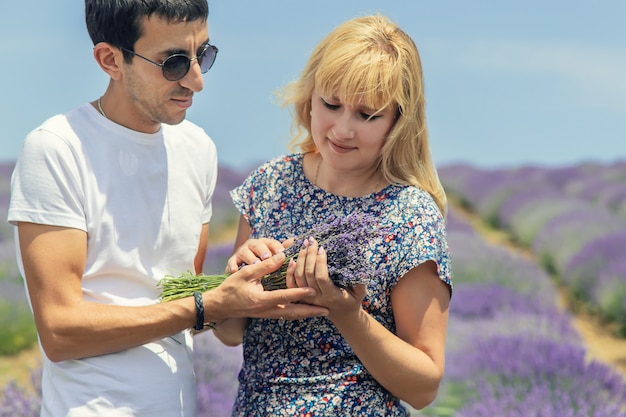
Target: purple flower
(521, 199)
(16, 401)
(539, 399)
(609, 291)
(216, 367)
(566, 233)
(510, 371)
(455, 224)
(582, 270)
(489, 301)
(477, 262)
(347, 240)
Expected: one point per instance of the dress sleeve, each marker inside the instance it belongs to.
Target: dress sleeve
(248, 197)
(422, 237)
(261, 192)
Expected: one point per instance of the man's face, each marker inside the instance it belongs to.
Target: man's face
(153, 99)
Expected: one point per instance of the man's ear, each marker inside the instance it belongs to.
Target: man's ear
(110, 59)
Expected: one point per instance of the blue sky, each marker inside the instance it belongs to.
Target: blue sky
(508, 83)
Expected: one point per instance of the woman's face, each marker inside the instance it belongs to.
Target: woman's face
(348, 136)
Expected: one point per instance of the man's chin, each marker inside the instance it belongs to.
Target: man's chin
(175, 120)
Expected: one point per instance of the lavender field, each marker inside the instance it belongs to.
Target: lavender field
(573, 219)
(512, 350)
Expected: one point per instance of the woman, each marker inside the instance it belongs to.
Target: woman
(361, 146)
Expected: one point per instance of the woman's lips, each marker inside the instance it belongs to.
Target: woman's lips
(340, 148)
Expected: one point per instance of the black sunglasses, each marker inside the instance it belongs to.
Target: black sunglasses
(176, 66)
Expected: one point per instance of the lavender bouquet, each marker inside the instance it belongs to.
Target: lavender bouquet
(346, 241)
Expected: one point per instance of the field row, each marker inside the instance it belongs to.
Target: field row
(573, 219)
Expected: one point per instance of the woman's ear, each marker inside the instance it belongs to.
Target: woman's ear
(110, 59)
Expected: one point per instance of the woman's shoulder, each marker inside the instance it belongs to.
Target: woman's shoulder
(281, 165)
(413, 198)
(286, 160)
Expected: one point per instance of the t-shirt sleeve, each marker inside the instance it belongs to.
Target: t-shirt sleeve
(46, 184)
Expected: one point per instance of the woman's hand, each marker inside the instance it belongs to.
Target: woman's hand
(253, 251)
(311, 270)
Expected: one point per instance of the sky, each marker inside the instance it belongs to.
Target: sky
(508, 83)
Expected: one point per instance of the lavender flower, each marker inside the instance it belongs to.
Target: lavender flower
(346, 240)
(516, 203)
(478, 262)
(566, 233)
(582, 270)
(538, 399)
(609, 294)
(456, 224)
(490, 301)
(16, 401)
(511, 370)
(216, 368)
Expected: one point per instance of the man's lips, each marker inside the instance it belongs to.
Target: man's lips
(184, 103)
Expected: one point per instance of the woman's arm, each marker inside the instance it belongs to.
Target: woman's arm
(203, 244)
(410, 364)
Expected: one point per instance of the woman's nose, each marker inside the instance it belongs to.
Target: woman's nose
(343, 128)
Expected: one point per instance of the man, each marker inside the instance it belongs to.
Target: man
(110, 197)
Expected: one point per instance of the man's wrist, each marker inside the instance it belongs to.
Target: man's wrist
(199, 311)
(200, 320)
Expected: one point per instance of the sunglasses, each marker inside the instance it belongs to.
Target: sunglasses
(176, 66)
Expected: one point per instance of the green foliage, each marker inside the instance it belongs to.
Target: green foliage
(611, 301)
(450, 399)
(17, 328)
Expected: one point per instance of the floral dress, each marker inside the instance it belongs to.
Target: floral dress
(305, 367)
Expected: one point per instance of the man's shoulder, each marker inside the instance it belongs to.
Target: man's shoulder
(61, 121)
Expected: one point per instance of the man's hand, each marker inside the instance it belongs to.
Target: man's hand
(242, 295)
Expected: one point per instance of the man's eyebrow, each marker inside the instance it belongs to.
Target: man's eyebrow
(173, 51)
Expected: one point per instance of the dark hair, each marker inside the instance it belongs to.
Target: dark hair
(118, 22)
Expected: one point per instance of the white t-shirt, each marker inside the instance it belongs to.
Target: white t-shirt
(142, 199)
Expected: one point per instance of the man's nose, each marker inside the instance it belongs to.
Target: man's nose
(193, 79)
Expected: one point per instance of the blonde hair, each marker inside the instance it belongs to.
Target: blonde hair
(371, 61)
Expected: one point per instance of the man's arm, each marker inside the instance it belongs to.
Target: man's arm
(69, 327)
